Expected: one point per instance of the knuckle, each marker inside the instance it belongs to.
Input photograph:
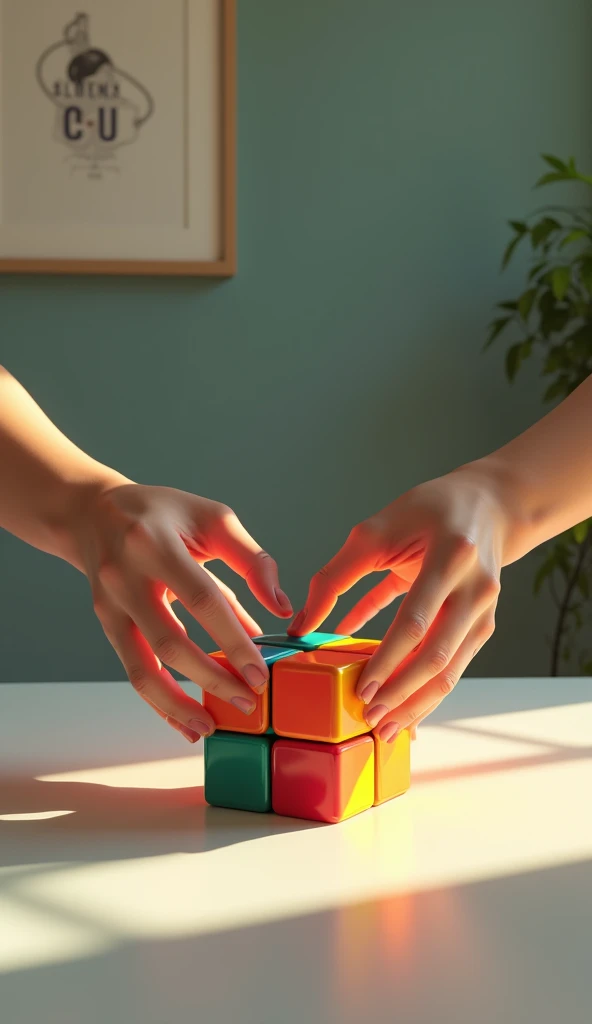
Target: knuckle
(166, 648)
(110, 574)
(366, 532)
(490, 587)
(138, 537)
(322, 580)
(437, 660)
(204, 602)
(412, 715)
(139, 679)
(463, 549)
(447, 682)
(222, 512)
(415, 626)
(487, 630)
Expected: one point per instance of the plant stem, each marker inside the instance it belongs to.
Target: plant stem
(571, 582)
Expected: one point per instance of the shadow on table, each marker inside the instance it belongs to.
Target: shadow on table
(109, 822)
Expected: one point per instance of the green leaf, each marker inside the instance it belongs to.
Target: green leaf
(557, 359)
(559, 389)
(586, 273)
(584, 585)
(512, 306)
(513, 360)
(554, 161)
(536, 270)
(580, 343)
(541, 231)
(573, 236)
(525, 303)
(519, 226)
(510, 250)
(560, 282)
(580, 532)
(496, 328)
(543, 571)
(552, 176)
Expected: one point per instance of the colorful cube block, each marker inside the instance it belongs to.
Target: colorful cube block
(229, 718)
(392, 767)
(238, 771)
(306, 751)
(322, 781)
(314, 696)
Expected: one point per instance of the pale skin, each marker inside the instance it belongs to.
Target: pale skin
(444, 544)
(139, 546)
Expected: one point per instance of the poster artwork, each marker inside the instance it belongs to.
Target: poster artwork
(98, 107)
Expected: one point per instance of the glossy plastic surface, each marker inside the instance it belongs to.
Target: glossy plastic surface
(238, 771)
(352, 644)
(308, 642)
(229, 718)
(322, 781)
(392, 767)
(314, 696)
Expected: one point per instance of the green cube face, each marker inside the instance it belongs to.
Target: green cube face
(238, 771)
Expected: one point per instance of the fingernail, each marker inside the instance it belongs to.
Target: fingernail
(373, 715)
(200, 727)
(283, 600)
(256, 677)
(244, 704)
(389, 732)
(368, 692)
(298, 622)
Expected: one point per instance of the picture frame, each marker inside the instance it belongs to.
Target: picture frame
(118, 137)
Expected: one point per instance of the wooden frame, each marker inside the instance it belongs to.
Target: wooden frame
(225, 265)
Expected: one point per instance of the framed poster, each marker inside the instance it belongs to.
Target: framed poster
(117, 137)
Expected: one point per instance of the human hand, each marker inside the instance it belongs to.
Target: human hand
(443, 544)
(143, 547)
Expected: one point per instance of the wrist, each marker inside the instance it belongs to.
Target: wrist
(512, 492)
(72, 505)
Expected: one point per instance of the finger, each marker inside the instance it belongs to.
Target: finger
(197, 590)
(235, 546)
(452, 624)
(425, 700)
(372, 603)
(153, 683)
(189, 734)
(354, 560)
(441, 570)
(173, 647)
(246, 620)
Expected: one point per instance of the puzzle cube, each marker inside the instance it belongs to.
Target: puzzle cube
(306, 751)
(322, 781)
(314, 696)
(238, 771)
(229, 718)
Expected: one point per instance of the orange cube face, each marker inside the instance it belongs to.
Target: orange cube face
(392, 767)
(314, 696)
(229, 718)
(322, 781)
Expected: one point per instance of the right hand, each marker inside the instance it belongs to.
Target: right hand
(443, 544)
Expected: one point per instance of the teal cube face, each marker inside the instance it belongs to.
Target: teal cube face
(238, 771)
(308, 642)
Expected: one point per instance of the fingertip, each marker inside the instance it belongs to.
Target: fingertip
(284, 603)
(296, 627)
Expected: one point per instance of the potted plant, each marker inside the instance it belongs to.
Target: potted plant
(553, 316)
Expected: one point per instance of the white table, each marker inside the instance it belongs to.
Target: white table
(124, 898)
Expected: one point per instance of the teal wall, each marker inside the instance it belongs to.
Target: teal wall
(382, 146)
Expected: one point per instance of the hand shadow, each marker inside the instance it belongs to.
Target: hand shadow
(111, 823)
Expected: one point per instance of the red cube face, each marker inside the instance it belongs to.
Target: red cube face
(322, 781)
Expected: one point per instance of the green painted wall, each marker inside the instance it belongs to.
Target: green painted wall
(382, 147)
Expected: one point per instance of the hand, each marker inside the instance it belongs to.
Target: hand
(443, 545)
(142, 548)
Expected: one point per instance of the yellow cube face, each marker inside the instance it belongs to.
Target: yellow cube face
(353, 645)
(392, 767)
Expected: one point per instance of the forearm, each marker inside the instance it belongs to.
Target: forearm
(545, 474)
(45, 480)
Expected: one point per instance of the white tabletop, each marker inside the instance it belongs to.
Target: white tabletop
(124, 898)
